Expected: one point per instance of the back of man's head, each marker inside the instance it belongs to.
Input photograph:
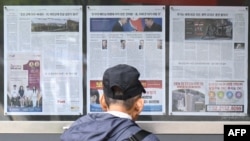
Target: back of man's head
(126, 78)
(122, 90)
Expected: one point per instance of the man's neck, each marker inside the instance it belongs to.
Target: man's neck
(120, 114)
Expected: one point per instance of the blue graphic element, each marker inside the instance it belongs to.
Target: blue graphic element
(95, 108)
(147, 108)
(229, 94)
(152, 108)
(24, 109)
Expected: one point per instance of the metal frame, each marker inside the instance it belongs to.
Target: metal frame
(157, 127)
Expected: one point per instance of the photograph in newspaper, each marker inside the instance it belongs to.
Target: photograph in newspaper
(24, 92)
(135, 37)
(54, 25)
(208, 29)
(186, 97)
(127, 24)
(208, 61)
(43, 60)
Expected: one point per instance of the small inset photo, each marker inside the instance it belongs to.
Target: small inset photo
(141, 44)
(104, 44)
(159, 44)
(123, 44)
(239, 45)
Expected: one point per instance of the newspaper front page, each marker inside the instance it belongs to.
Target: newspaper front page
(208, 60)
(43, 60)
(131, 35)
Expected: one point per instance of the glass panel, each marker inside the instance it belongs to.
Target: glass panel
(166, 116)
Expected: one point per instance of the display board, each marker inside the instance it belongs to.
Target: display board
(43, 60)
(48, 58)
(131, 35)
(208, 61)
(63, 51)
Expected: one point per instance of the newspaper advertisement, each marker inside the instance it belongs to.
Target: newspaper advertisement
(133, 35)
(208, 61)
(43, 60)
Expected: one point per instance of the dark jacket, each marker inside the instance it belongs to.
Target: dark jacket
(154, 27)
(117, 27)
(102, 127)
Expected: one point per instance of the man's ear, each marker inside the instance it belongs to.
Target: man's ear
(140, 104)
(137, 109)
(103, 103)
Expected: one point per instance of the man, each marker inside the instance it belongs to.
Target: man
(34, 97)
(21, 96)
(14, 96)
(104, 44)
(118, 26)
(28, 94)
(123, 44)
(122, 104)
(141, 45)
(150, 25)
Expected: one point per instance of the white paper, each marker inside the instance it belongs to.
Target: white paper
(43, 50)
(208, 60)
(143, 49)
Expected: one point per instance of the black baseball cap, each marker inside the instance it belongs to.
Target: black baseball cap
(125, 77)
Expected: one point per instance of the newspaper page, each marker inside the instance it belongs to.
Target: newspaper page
(138, 42)
(208, 60)
(43, 60)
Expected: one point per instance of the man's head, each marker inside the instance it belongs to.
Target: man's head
(123, 21)
(122, 90)
(123, 44)
(142, 42)
(149, 22)
(104, 43)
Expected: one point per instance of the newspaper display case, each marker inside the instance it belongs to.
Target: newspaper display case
(37, 35)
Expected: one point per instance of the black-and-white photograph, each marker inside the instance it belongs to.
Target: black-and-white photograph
(54, 25)
(208, 29)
